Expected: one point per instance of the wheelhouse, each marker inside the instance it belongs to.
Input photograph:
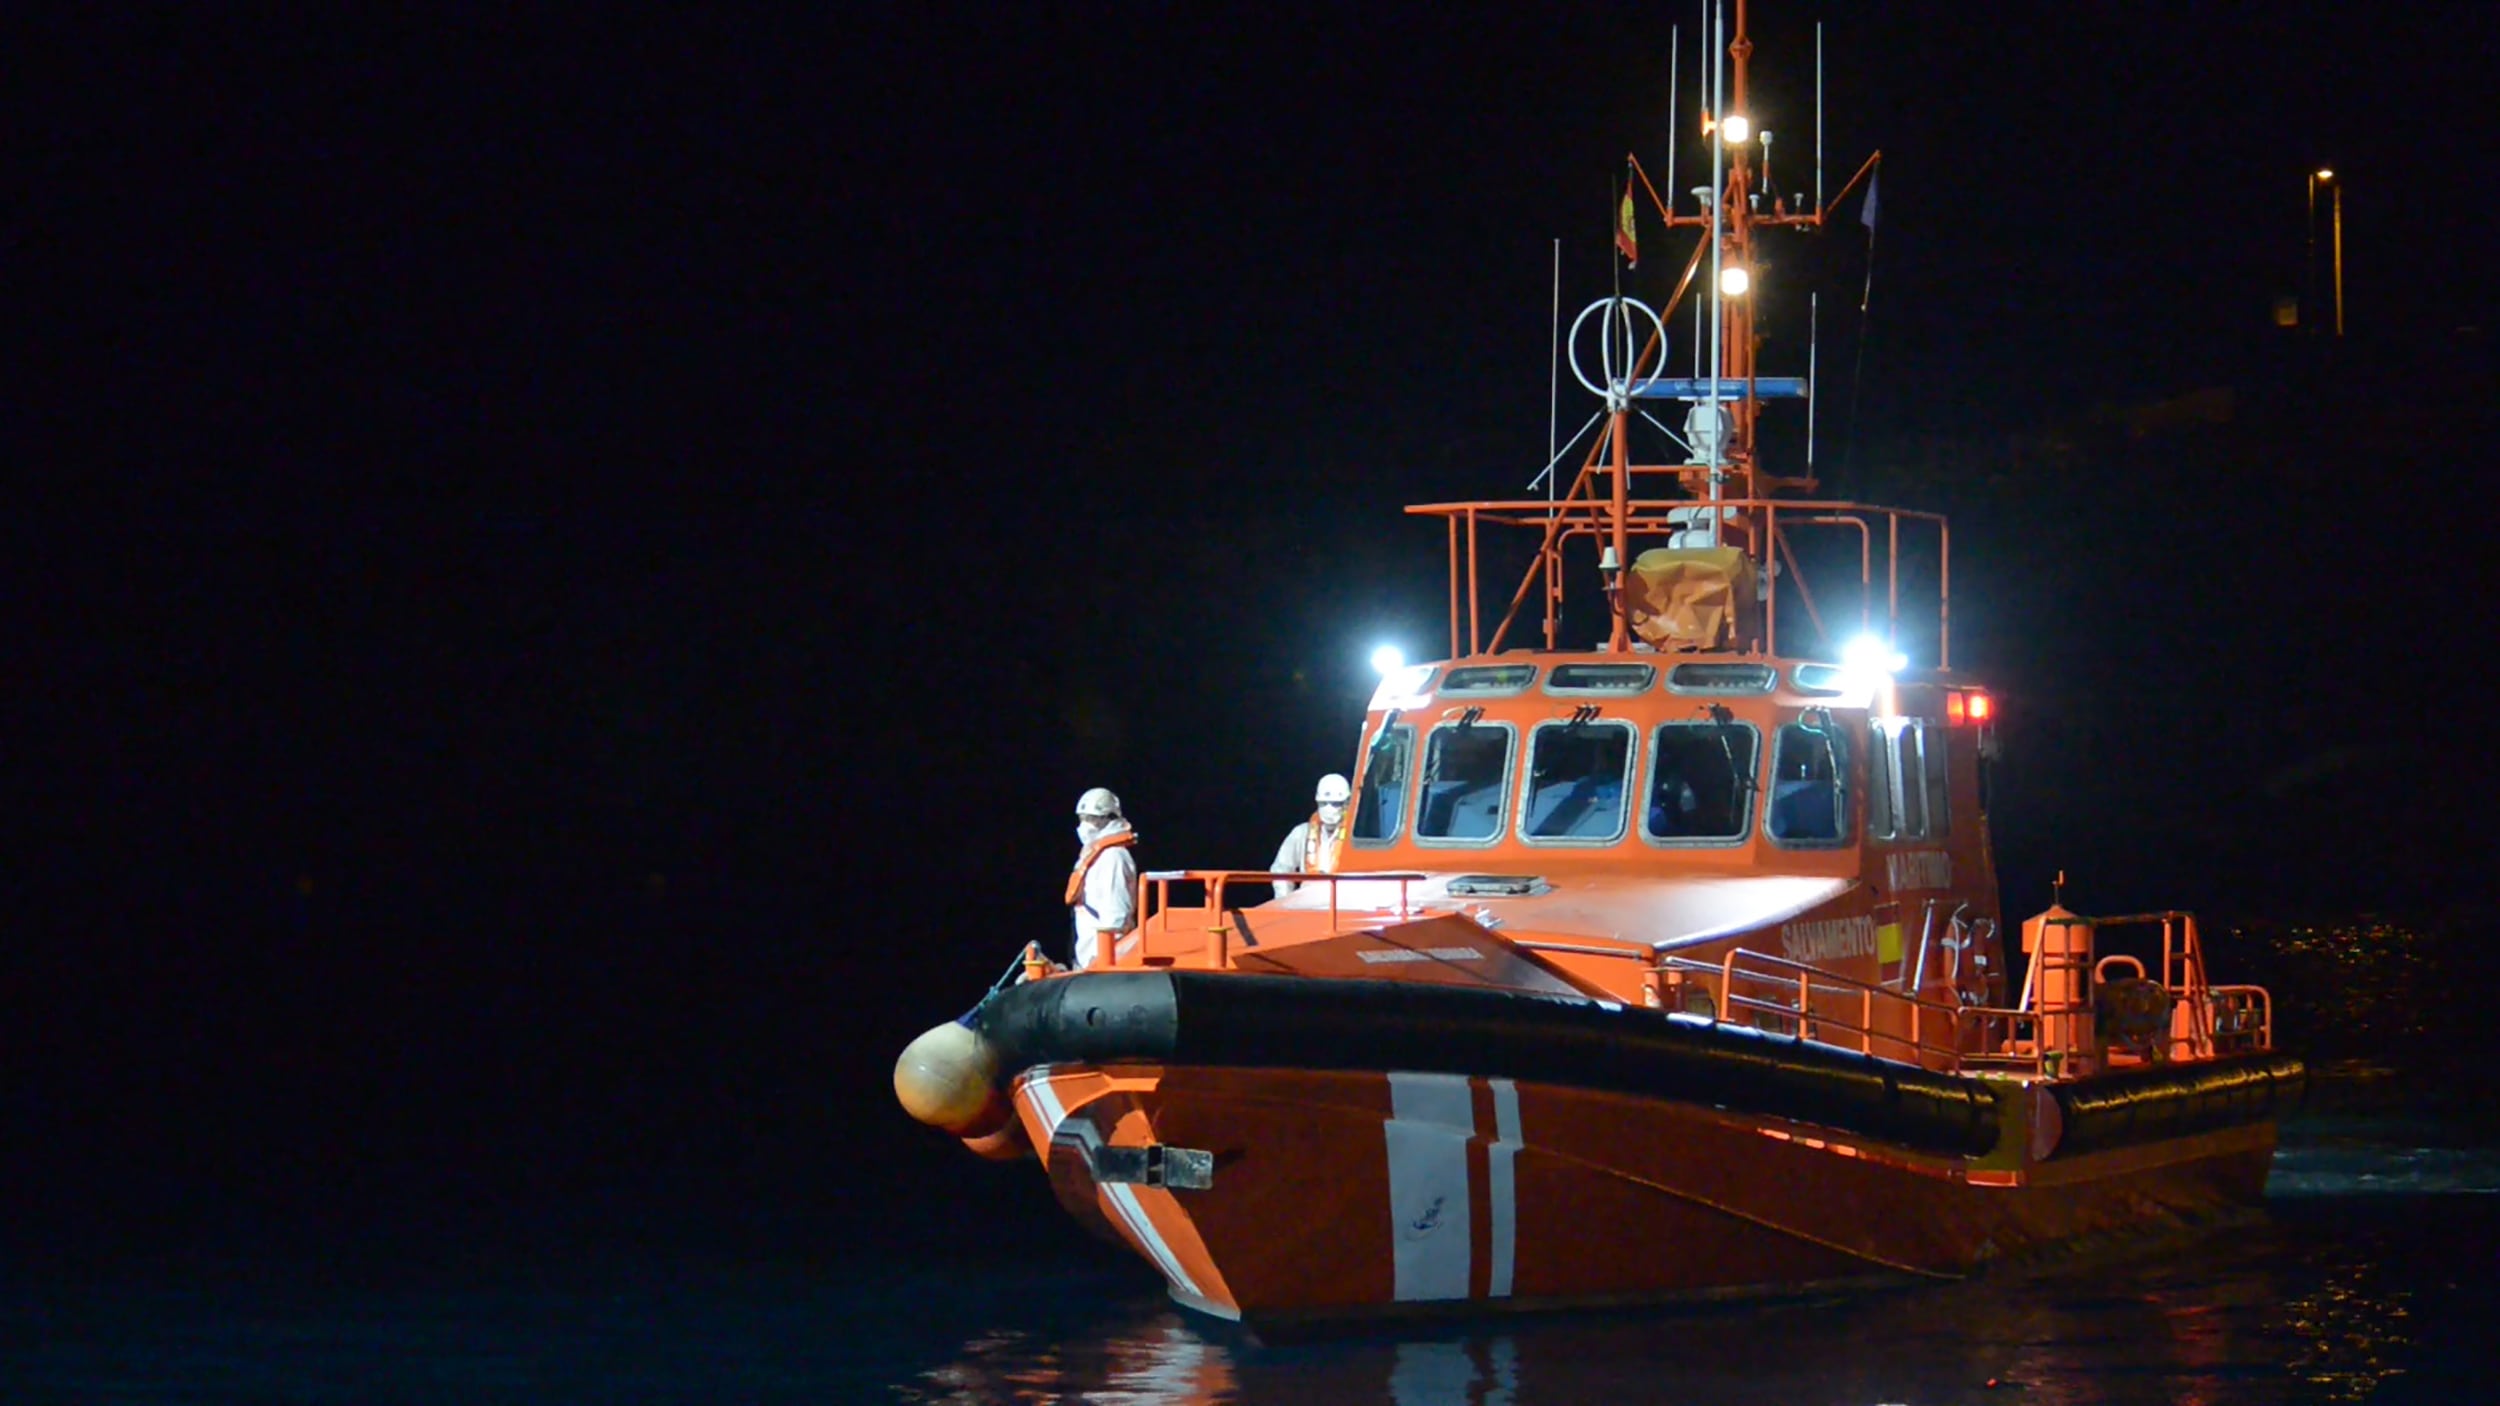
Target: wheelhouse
(1664, 766)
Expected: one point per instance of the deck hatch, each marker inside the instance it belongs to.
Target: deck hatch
(1497, 885)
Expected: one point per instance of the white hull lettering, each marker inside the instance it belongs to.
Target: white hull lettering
(1829, 939)
(1919, 869)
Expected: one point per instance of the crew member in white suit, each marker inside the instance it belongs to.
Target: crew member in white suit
(1102, 888)
(1313, 846)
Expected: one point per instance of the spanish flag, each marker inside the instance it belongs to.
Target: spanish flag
(1625, 240)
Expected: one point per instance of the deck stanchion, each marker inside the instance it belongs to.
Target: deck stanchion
(1892, 580)
(1475, 633)
(1944, 594)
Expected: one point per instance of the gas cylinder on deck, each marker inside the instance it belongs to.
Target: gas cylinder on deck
(2059, 944)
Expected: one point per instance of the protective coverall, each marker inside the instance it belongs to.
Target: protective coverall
(1313, 847)
(1102, 887)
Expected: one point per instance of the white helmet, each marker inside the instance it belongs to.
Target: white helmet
(1097, 804)
(1333, 790)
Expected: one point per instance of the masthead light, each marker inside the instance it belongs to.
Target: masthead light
(1736, 127)
(1388, 659)
(2326, 173)
(1733, 281)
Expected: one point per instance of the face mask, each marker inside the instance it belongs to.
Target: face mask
(1331, 813)
(1086, 830)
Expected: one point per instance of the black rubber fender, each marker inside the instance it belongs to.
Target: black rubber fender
(2151, 1105)
(1234, 1020)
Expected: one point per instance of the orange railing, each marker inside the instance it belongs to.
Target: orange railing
(1561, 521)
(1833, 1009)
(1926, 1032)
(2220, 1019)
(2042, 1038)
(1167, 932)
(2242, 1018)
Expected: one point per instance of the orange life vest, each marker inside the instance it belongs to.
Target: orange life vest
(1314, 861)
(1116, 839)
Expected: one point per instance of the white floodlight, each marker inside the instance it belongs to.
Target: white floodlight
(1870, 655)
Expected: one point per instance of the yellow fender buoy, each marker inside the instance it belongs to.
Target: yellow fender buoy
(948, 1078)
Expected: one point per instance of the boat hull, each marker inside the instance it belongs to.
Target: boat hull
(1343, 1193)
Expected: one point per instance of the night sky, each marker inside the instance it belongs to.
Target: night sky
(568, 571)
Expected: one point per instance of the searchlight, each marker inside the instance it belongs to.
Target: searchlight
(1869, 655)
(1402, 684)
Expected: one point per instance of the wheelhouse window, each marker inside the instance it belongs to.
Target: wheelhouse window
(1577, 776)
(1617, 679)
(1380, 802)
(1907, 780)
(1819, 678)
(1721, 678)
(1933, 757)
(1701, 782)
(1809, 784)
(1465, 782)
(1489, 680)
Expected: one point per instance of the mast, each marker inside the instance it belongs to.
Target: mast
(1714, 535)
(1736, 312)
(1718, 254)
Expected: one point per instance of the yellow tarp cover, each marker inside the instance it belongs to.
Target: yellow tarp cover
(1692, 597)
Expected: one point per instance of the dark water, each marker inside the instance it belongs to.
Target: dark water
(2370, 1277)
(630, 1206)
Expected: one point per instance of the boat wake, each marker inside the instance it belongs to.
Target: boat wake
(2356, 1170)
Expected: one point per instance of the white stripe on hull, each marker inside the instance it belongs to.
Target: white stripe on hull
(1433, 1118)
(1121, 1195)
(1501, 1184)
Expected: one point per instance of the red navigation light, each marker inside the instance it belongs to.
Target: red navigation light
(1953, 713)
(1979, 708)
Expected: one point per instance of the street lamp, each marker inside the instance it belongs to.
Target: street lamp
(2325, 176)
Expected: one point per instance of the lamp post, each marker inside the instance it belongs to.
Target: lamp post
(2325, 176)
(2339, 258)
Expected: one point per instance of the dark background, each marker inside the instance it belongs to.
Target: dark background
(566, 572)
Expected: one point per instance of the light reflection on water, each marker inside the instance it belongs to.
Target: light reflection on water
(2358, 1285)
(2333, 1296)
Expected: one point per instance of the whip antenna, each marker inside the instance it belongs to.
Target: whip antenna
(1814, 320)
(1675, 118)
(1553, 379)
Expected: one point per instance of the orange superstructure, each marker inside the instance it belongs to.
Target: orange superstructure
(1673, 965)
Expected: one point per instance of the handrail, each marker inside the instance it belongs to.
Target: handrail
(1809, 977)
(2236, 1002)
(1576, 516)
(1952, 1038)
(1155, 917)
(2239, 1018)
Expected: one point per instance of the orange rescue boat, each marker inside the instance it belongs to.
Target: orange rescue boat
(1669, 967)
